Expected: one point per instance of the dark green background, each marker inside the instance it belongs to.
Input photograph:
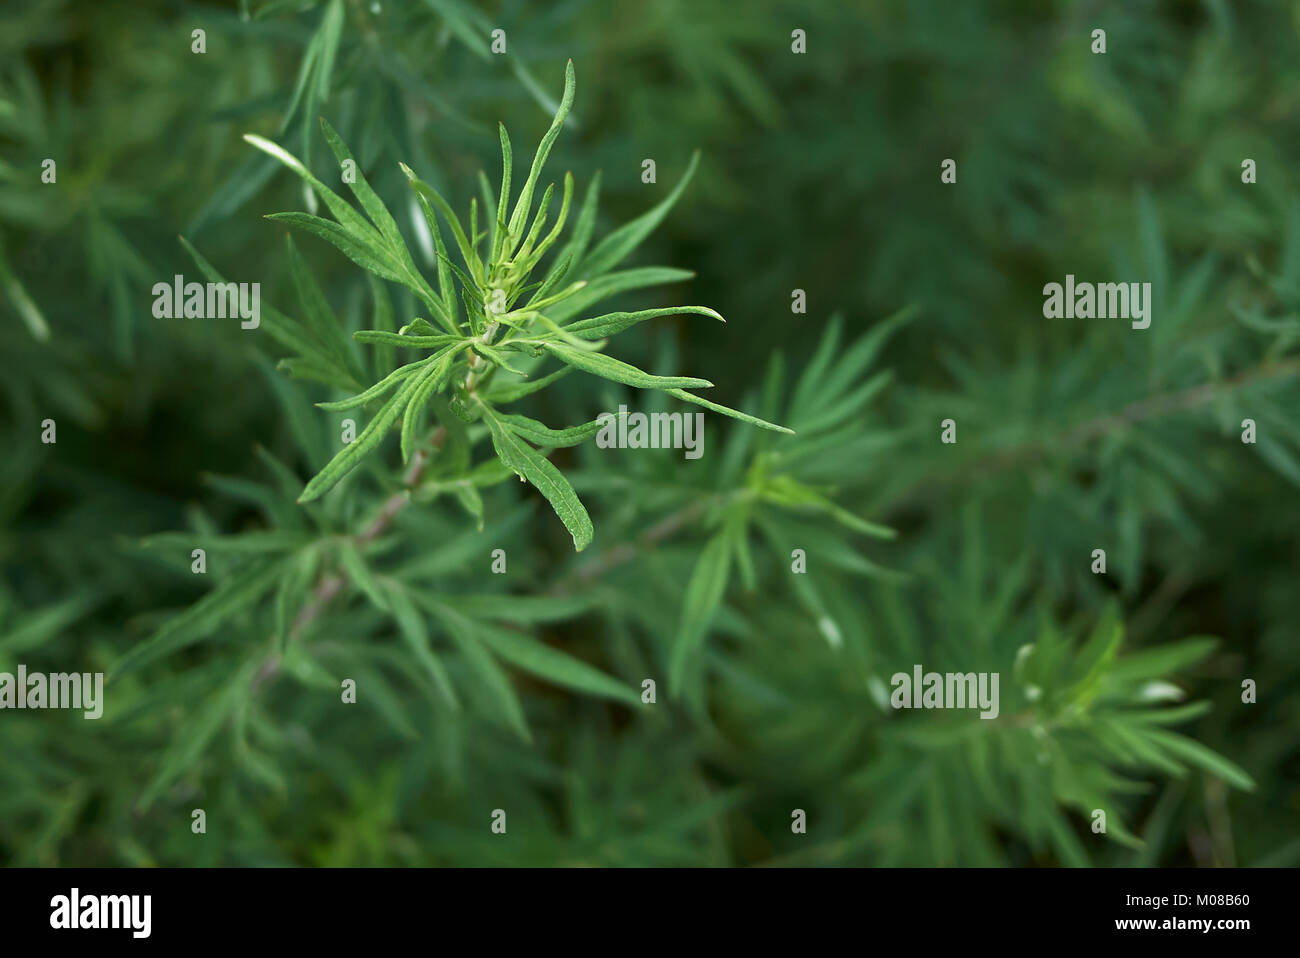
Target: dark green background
(819, 172)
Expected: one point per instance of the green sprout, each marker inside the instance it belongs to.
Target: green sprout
(489, 317)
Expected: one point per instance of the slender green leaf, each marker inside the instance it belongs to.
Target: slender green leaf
(535, 656)
(1197, 754)
(240, 591)
(726, 411)
(524, 461)
(535, 432)
(615, 247)
(704, 594)
(351, 454)
(618, 371)
(411, 627)
(525, 200)
(598, 327)
(362, 250)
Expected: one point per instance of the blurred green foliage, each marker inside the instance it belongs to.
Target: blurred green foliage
(819, 172)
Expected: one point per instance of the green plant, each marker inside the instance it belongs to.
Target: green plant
(478, 690)
(493, 287)
(310, 552)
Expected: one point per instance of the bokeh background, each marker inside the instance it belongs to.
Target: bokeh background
(819, 172)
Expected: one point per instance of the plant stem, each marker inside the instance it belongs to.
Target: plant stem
(1131, 414)
(664, 529)
(330, 584)
(475, 361)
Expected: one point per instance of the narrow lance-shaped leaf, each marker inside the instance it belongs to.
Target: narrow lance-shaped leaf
(265, 541)
(562, 334)
(429, 194)
(480, 664)
(503, 202)
(602, 288)
(457, 17)
(195, 733)
(537, 254)
(411, 627)
(513, 393)
(364, 244)
(618, 371)
(43, 624)
(431, 380)
(489, 209)
(447, 289)
(615, 247)
(535, 656)
(361, 249)
(235, 594)
(1189, 750)
(352, 222)
(404, 340)
(27, 309)
(354, 564)
(526, 609)
(287, 332)
(524, 255)
(543, 150)
(784, 490)
(361, 189)
(727, 411)
(351, 454)
(556, 297)
(320, 318)
(1158, 662)
(382, 358)
(542, 289)
(474, 235)
(703, 596)
(391, 236)
(542, 435)
(421, 327)
(598, 327)
(576, 248)
(292, 591)
(548, 480)
(318, 63)
(496, 356)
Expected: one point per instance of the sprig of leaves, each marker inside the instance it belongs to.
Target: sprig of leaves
(503, 330)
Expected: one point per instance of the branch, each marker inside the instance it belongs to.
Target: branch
(621, 554)
(1131, 414)
(330, 584)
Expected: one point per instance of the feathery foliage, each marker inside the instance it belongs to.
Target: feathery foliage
(474, 338)
(503, 330)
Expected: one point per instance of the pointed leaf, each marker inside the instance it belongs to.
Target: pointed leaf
(524, 461)
(615, 247)
(704, 594)
(607, 367)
